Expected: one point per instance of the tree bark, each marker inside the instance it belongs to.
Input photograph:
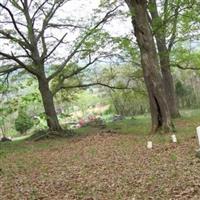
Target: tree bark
(160, 36)
(167, 78)
(160, 113)
(49, 107)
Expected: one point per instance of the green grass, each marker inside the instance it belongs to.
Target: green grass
(24, 146)
(83, 131)
(11, 133)
(139, 126)
(15, 146)
(94, 164)
(186, 125)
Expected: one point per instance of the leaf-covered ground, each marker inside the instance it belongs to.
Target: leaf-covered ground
(101, 167)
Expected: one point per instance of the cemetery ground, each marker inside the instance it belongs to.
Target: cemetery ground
(105, 165)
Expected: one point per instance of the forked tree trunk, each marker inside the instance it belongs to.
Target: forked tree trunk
(168, 79)
(49, 107)
(160, 114)
(160, 36)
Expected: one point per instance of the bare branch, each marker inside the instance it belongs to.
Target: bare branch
(14, 39)
(55, 47)
(10, 22)
(65, 26)
(7, 69)
(38, 9)
(174, 28)
(5, 3)
(19, 62)
(184, 68)
(81, 68)
(47, 19)
(14, 23)
(96, 84)
(90, 32)
(17, 40)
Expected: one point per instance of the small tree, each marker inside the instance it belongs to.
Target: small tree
(23, 122)
(29, 30)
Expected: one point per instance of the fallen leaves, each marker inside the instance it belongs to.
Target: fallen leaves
(102, 167)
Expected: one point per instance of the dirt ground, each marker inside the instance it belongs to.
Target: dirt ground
(101, 167)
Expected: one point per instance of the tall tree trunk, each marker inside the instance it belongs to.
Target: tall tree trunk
(49, 107)
(168, 79)
(160, 113)
(160, 36)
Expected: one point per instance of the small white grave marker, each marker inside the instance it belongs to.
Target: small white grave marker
(149, 145)
(174, 139)
(198, 134)
(198, 150)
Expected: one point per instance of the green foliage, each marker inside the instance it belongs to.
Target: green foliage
(95, 42)
(186, 95)
(128, 103)
(109, 111)
(181, 90)
(60, 83)
(185, 57)
(128, 49)
(86, 99)
(7, 107)
(23, 122)
(33, 97)
(173, 157)
(3, 88)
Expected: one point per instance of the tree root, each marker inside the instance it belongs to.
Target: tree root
(49, 134)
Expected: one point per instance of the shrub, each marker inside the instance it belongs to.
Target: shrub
(23, 122)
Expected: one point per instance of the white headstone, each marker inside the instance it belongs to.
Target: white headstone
(174, 138)
(198, 134)
(149, 145)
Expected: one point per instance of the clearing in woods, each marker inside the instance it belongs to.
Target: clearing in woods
(104, 166)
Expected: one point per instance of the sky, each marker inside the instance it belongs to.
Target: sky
(80, 10)
(85, 8)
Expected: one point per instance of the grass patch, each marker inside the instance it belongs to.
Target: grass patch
(113, 166)
(139, 126)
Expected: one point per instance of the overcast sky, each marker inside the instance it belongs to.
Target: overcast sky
(78, 11)
(85, 8)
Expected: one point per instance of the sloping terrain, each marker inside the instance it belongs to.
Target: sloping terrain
(100, 167)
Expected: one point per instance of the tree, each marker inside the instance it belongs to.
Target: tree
(160, 27)
(132, 99)
(23, 122)
(3, 110)
(7, 107)
(160, 113)
(30, 29)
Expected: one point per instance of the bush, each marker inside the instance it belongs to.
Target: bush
(23, 122)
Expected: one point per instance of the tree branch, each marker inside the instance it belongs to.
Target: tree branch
(103, 85)
(90, 85)
(184, 68)
(174, 28)
(8, 70)
(65, 26)
(14, 23)
(90, 32)
(38, 9)
(55, 47)
(81, 68)
(19, 62)
(14, 39)
(48, 17)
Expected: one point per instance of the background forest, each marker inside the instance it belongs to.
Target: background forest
(99, 99)
(95, 60)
